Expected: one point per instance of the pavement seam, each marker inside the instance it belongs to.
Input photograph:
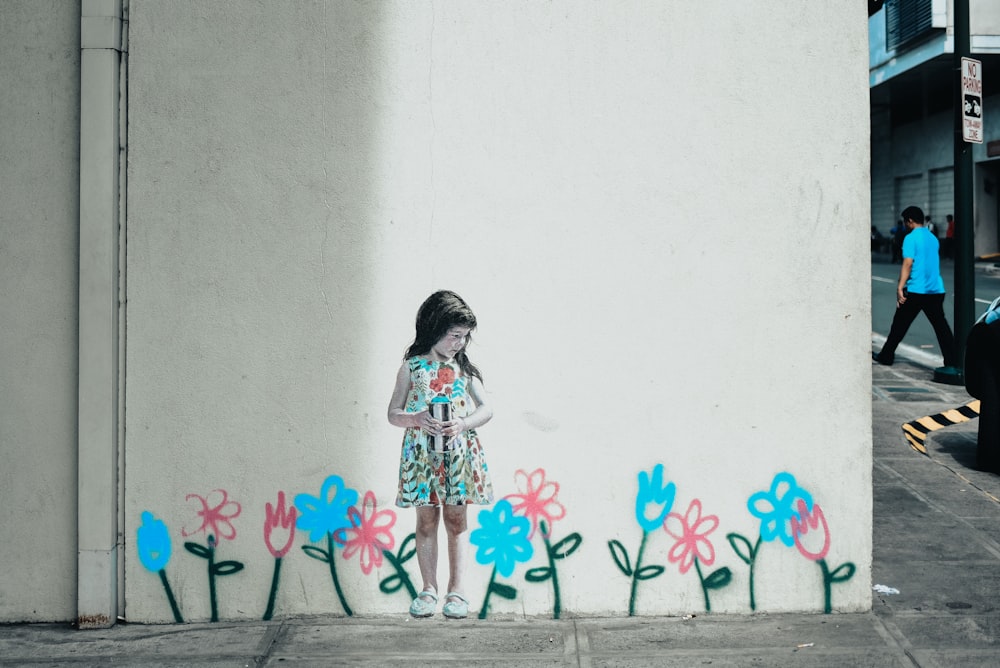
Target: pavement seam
(582, 645)
(968, 482)
(895, 638)
(263, 649)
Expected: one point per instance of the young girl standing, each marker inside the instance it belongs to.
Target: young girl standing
(442, 467)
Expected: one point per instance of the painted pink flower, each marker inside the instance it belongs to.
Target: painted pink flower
(813, 521)
(538, 503)
(283, 517)
(215, 519)
(369, 534)
(691, 533)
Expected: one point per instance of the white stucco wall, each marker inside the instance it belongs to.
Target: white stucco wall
(39, 191)
(657, 216)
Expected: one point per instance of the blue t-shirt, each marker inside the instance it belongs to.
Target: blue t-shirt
(925, 276)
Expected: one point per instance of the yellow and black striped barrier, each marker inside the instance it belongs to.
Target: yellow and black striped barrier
(917, 430)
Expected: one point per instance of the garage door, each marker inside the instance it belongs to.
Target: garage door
(942, 192)
(910, 191)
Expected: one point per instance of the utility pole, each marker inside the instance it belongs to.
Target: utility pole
(965, 278)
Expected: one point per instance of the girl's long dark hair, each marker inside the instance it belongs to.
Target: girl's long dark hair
(440, 312)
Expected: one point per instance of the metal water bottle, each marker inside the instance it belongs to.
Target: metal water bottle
(441, 410)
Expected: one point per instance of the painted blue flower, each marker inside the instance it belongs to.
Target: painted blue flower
(152, 541)
(652, 491)
(776, 507)
(502, 538)
(326, 513)
(423, 491)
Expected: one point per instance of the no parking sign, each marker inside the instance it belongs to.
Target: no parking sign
(972, 100)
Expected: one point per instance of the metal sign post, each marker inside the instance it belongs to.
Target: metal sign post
(968, 91)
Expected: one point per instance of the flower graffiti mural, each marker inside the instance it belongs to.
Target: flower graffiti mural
(152, 541)
(538, 504)
(692, 546)
(281, 519)
(323, 516)
(370, 537)
(787, 514)
(341, 520)
(216, 522)
(501, 540)
(361, 530)
(653, 497)
(813, 521)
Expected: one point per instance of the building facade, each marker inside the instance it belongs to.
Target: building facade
(913, 96)
(227, 213)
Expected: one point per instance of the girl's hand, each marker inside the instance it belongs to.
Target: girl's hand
(452, 428)
(429, 423)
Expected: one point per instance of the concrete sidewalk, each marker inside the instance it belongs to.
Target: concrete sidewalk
(936, 537)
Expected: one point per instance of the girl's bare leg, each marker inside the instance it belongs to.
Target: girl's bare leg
(427, 545)
(456, 525)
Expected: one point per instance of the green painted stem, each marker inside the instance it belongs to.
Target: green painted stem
(211, 579)
(753, 560)
(557, 605)
(170, 597)
(704, 589)
(827, 586)
(635, 572)
(333, 573)
(489, 591)
(401, 572)
(274, 589)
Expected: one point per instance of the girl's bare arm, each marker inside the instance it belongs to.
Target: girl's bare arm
(397, 405)
(481, 415)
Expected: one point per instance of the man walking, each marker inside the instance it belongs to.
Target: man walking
(920, 288)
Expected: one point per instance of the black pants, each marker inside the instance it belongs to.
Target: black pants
(933, 307)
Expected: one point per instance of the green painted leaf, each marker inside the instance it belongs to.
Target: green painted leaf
(718, 579)
(391, 584)
(504, 591)
(227, 568)
(402, 554)
(848, 569)
(620, 555)
(316, 553)
(540, 574)
(198, 550)
(566, 546)
(649, 572)
(736, 541)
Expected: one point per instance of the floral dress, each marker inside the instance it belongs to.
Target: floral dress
(456, 476)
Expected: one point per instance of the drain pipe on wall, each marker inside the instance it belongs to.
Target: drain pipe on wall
(98, 486)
